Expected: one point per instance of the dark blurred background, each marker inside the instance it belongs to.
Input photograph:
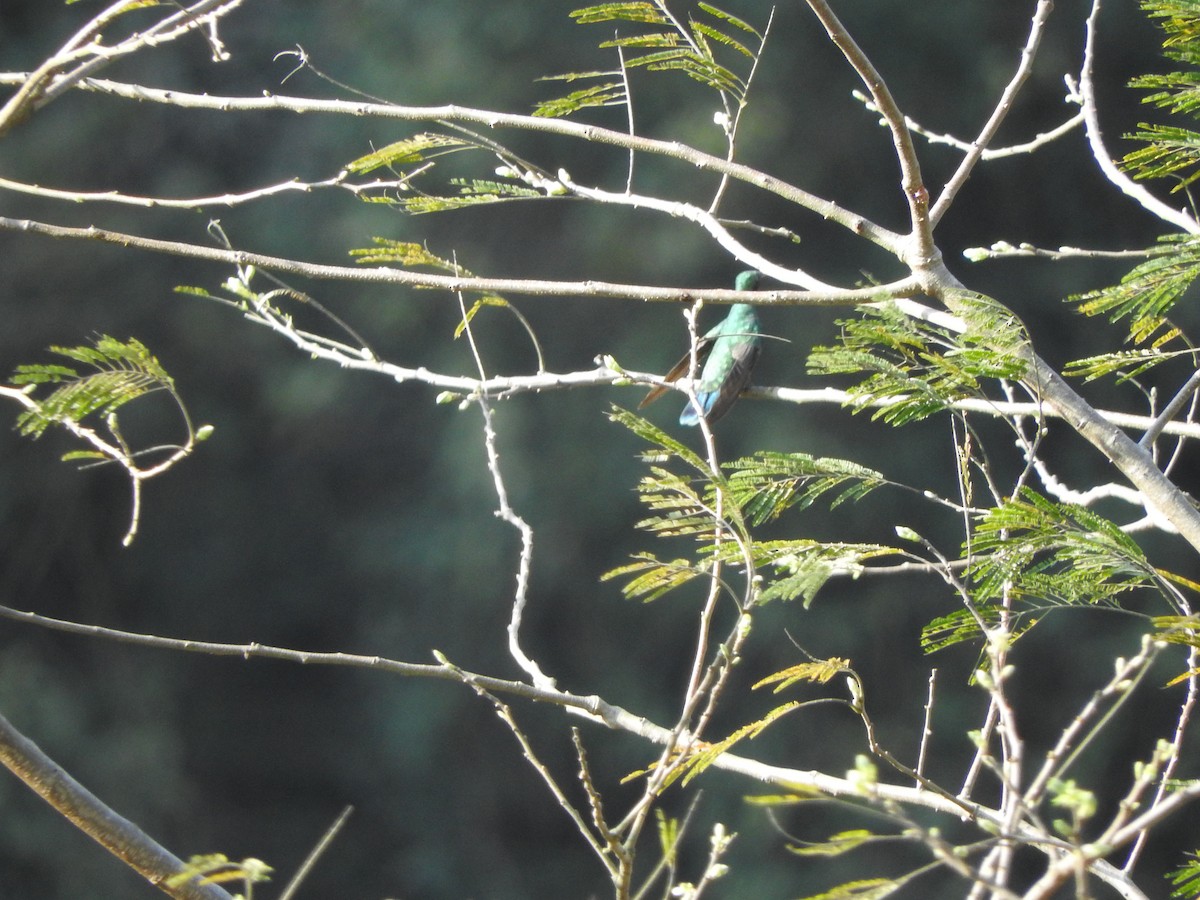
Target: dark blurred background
(340, 511)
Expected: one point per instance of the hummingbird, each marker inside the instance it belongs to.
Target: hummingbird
(728, 353)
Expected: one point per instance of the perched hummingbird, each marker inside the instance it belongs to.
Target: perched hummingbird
(728, 353)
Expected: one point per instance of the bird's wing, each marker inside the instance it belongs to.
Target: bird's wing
(716, 403)
(680, 369)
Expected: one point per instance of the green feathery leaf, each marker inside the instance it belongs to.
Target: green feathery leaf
(410, 150)
(819, 671)
(1171, 151)
(835, 845)
(610, 93)
(961, 626)
(1036, 550)
(731, 19)
(654, 577)
(1185, 880)
(628, 12)
(122, 371)
(1125, 364)
(919, 368)
(673, 46)
(652, 434)
(1148, 292)
(472, 192)
(707, 754)
(769, 482)
(863, 889)
(803, 567)
(405, 253)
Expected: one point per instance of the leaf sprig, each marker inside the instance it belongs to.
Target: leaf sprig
(1148, 293)
(121, 371)
(111, 374)
(760, 487)
(669, 45)
(917, 368)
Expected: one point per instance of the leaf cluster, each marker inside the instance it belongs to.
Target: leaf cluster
(1186, 879)
(1171, 151)
(668, 44)
(1029, 554)
(1144, 296)
(700, 503)
(519, 181)
(120, 371)
(1032, 548)
(917, 368)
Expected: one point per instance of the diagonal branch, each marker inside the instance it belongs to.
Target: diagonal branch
(911, 181)
(979, 145)
(596, 709)
(385, 275)
(89, 814)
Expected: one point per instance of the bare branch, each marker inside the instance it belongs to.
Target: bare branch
(1181, 219)
(89, 814)
(385, 275)
(509, 515)
(1041, 139)
(915, 193)
(492, 119)
(1036, 29)
(84, 54)
(317, 852)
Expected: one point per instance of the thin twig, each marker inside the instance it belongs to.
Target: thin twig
(315, 854)
(1181, 399)
(504, 712)
(509, 515)
(1037, 28)
(1038, 141)
(926, 728)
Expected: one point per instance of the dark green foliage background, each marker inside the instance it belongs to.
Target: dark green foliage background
(340, 511)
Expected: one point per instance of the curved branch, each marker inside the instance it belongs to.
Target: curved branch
(1126, 185)
(705, 220)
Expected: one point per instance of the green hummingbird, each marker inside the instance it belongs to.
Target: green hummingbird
(728, 353)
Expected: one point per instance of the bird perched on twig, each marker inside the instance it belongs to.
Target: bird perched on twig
(728, 353)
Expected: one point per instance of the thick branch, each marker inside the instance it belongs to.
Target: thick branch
(1134, 462)
(82, 808)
